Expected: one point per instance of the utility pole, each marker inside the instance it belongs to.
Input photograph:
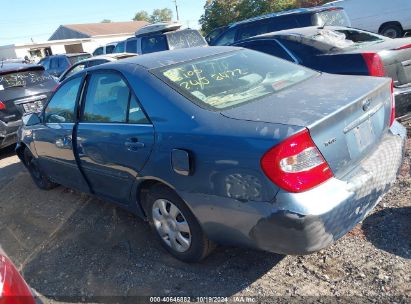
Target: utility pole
(175, 2)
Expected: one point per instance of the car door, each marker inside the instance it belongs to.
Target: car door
(54, 137)
(114, 136)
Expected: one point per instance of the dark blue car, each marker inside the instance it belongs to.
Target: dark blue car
(221, 145)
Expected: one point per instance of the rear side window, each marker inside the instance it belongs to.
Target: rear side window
(229, 80)
(252, 29)
(227, 37)
(24, 79)
(63, 64)
(153, 44)
(282, 23)
(110, 49)
(335, 17)
(120, 47)
(61, 107)
(98, 51)
(132, 46)
(109, 100)
(268, 47)
(304, 53)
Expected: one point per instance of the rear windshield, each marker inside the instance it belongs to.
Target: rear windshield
(24, 79)
(75, 59)
(231, 79)
(346, 38)
(336, 17)
(185, 39)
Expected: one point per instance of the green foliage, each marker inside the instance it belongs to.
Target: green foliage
(141, 16)
(219, 13)
(160, 15)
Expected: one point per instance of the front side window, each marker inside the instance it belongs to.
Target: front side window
(153, 44)
(110, 49)
(231, 79)
(251, 30)
(61, 107)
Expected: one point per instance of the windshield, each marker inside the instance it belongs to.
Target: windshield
(24, 79)
(231, 79)
(336, 17)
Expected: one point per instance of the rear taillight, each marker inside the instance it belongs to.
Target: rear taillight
(392, 118)
(296, 164)
(374, 64)
(408, 46)
(2, 106)
(13, 288)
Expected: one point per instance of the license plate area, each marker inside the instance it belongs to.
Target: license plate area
(361, 138)
(33, 107)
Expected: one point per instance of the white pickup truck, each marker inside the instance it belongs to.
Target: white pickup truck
(389, 18)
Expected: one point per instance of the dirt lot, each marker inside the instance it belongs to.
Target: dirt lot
(69, 244)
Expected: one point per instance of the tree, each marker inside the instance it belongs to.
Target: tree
(141, 16)
(106, 21)
(219, 13)
(161, 15)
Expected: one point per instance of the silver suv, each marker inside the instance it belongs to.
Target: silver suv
(161, 37)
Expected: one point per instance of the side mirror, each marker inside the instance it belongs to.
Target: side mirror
(31, 120)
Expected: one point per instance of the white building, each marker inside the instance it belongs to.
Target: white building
(74, 38)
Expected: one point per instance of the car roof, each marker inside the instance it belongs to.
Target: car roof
(298, 11)
(166, 58)
(302, 31)
(15, 67)
(69, 55)
(110, 57)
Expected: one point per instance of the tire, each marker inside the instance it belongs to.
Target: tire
(175, 226)
(39, 178)
(392, 31)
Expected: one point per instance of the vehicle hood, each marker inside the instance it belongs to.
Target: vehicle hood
(308, 102)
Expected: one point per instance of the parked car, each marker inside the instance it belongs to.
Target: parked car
(106, 49)
(93, 61)
(316, 16)
(161, 37)
(388, 18)
(222, 145)
(56, 64)
(347, 51)
(24, 88)
(13, 288)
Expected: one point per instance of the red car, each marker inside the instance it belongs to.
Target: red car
(13, 288)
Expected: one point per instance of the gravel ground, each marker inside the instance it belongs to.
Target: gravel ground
(71, 246)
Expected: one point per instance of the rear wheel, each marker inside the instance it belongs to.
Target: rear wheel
(175, 226)
(39, 178)
(392, 31)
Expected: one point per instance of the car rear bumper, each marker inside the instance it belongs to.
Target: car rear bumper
(302, 223)
(403, 103)
(8, 133)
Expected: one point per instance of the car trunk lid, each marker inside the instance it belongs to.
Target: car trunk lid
(345, 115)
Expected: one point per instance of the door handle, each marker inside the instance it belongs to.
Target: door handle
(132, 144)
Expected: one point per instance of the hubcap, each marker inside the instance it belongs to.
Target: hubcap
(171, 225)
(390, 33)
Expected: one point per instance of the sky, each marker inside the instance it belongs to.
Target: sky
(23, 20)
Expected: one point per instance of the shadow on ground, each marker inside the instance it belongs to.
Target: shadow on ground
(7, 152)
(390, 230)
(68, 244)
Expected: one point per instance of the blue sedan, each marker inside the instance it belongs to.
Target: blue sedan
(221, 146)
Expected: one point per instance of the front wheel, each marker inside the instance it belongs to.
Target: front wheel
(175, 226)
(39, 178)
